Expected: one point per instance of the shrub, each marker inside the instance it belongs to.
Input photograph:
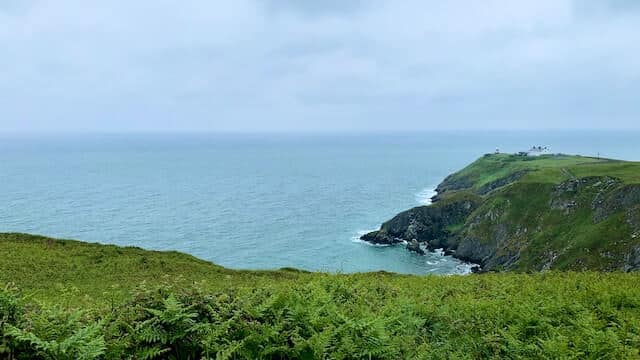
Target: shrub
(367, 316)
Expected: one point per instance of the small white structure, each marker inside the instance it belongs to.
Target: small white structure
(538, 150)
(535, 151)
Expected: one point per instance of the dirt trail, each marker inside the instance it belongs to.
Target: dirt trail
(568, 173)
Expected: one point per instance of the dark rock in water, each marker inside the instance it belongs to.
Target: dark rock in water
(428, 247)
(380, 237)
(414, 245)
(449, 252)
(423, 223)
(476, 269)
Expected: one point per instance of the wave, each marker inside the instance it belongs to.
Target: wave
(462, 268)
(424, 196)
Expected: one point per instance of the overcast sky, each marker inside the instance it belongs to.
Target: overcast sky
(332, 65)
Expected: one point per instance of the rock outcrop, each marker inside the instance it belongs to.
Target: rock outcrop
(423, 223)
(522, 222)
(414, 246)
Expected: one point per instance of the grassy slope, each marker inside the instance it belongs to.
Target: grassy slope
(48, 268)
(501, 315)
(539, 233)
(551, 169)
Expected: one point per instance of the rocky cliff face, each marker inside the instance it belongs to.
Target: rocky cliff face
(423, 223)
(511, 222)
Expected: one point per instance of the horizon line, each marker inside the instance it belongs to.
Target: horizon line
(298, 132)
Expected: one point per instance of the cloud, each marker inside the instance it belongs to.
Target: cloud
(253, 65)
(317, 8)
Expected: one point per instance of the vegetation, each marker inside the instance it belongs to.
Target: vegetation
(72, 300)
(522, 213)
(566, 213)
(53, 270)
(545, 168)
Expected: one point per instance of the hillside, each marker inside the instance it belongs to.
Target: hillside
(72, 300)
(510, 212)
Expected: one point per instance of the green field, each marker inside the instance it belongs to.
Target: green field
(546, 168)
(72, 300)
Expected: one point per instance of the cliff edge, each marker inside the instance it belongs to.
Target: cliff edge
(521, 213)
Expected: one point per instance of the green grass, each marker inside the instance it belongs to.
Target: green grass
(104, 301)
(48, 268)
(627, 171)
(546, 168)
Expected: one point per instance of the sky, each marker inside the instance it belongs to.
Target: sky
(307, 65)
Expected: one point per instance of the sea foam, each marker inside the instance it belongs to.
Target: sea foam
(424, 196)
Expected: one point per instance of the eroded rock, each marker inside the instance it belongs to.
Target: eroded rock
(414, 246)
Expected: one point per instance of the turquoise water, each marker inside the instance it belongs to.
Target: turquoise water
(251, 201)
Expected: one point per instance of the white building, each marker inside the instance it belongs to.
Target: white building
(538, 150)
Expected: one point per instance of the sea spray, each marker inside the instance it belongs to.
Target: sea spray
(424, 196)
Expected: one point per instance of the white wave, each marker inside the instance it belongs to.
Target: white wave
(424, 196)
(460, 269)
(464, 269)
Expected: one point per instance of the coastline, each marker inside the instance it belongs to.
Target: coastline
(530, 213)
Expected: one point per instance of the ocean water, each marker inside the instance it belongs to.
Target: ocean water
(254, 201)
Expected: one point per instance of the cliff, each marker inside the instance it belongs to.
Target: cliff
(508, 212)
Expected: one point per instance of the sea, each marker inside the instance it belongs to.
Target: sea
(254, 201)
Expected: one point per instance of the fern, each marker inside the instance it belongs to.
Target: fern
(151, 352)
(366, 316)
(84, 342)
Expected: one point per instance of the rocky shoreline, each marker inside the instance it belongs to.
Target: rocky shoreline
(426, 225)
(510, 224)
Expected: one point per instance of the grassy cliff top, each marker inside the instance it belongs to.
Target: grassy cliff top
(543, 169)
